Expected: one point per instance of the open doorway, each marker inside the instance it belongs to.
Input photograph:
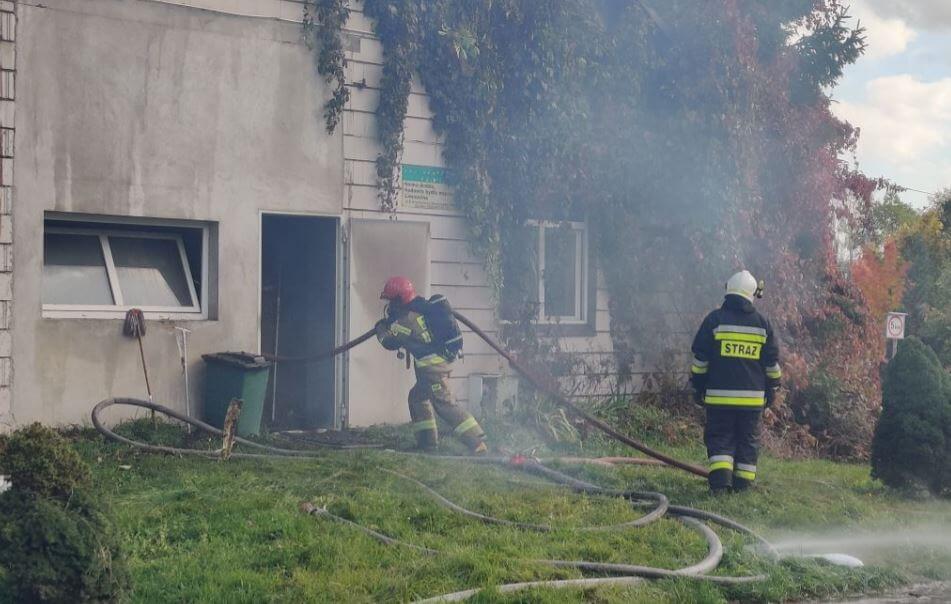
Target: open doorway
(298, 318)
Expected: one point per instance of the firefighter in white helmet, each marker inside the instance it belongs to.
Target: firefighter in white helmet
(735, 374)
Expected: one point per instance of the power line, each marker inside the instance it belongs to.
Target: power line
(918, 191)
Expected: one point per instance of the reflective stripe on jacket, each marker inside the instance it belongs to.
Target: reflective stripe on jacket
(735, 356)
(410, 332)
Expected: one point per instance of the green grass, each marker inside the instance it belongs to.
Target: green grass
(209, 531)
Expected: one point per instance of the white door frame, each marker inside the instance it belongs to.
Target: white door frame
(340, 305)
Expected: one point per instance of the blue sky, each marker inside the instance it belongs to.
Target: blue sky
(899, 93)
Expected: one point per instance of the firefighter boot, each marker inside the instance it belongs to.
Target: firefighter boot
(743, 477)
(721, 471)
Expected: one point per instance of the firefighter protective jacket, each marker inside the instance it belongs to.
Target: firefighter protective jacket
(407, 329)
(735, 356)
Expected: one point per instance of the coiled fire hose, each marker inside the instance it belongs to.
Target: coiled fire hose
(628, 574)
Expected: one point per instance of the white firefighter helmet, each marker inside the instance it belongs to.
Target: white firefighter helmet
(744, 284)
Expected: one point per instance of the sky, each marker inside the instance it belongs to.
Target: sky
(899, 94)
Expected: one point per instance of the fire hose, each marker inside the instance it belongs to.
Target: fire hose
(626, 574)
(629, 574)
(553, 392)
(542, 385)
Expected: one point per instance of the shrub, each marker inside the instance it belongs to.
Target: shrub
(40, 461)
(935, 331)
(838, 418)
(56, 541)
(912, 441)
(53, 552)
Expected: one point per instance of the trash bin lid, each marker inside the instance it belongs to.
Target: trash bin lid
(241, 360)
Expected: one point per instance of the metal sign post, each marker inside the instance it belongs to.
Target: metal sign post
(894, 331)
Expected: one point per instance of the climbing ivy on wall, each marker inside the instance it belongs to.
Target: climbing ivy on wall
(694, 138)
(323, 26)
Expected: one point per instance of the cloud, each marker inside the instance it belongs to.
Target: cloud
(924, 14)
(886, 36)
(905, 127)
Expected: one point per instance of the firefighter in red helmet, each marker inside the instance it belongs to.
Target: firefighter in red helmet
(427, 331)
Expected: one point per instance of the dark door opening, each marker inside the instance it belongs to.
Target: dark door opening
(298, 318)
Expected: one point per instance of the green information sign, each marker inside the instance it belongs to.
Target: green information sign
(424, 174)
(426, 188)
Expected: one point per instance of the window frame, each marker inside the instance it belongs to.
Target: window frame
(103, 230)
(582, 268)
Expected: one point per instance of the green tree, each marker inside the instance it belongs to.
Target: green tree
(888, 218)
(912, 443)
(926, 245)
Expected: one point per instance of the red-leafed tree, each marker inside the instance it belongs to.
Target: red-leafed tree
(881, 279)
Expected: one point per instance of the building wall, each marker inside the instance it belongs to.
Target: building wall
(287, 10)
(211, 110)
(7, 142)
(454, 270)
(147, 109)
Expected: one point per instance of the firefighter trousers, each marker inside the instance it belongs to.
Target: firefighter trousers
(431, 396)
(732, 439)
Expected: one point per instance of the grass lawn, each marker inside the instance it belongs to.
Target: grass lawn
(202, 530)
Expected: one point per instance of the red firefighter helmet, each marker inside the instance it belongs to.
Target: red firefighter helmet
(398, 288)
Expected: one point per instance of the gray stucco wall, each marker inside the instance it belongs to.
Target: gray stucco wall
(7, 139)
(140, 109)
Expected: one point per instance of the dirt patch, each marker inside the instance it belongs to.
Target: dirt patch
(916, 594)
(337, 439)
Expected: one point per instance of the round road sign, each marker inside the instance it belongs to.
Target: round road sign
(895, 326)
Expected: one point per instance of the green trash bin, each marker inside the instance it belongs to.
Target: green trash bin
(231, 375)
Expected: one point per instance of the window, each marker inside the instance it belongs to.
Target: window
(104, 269)
(546, 274)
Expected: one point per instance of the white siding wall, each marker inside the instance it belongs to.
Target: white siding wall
(455, 272)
